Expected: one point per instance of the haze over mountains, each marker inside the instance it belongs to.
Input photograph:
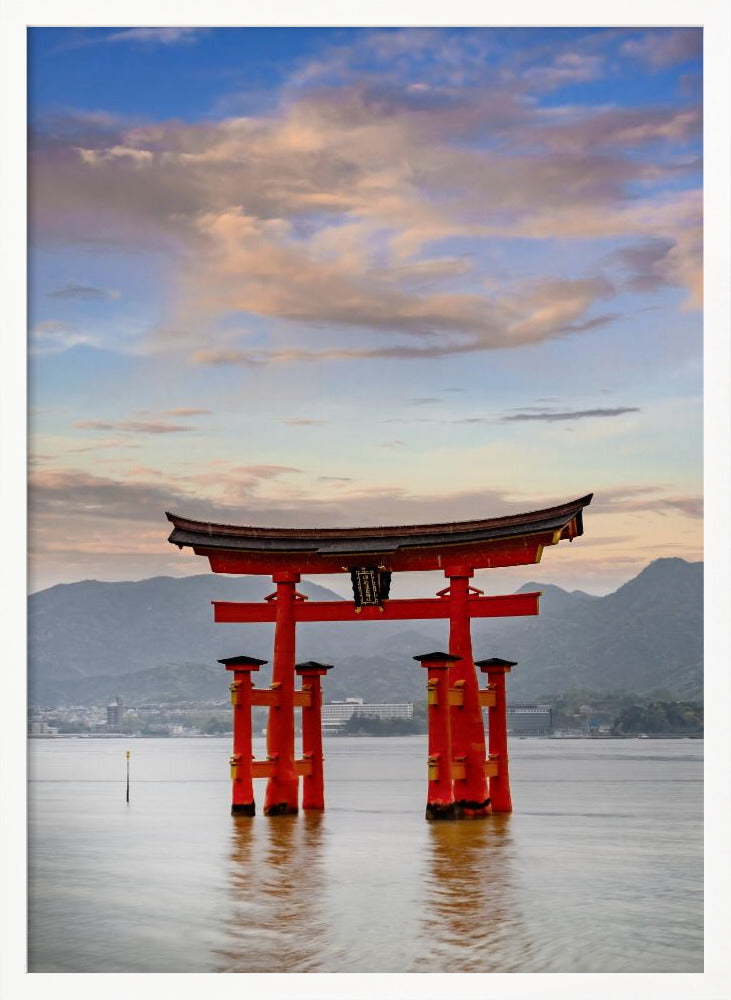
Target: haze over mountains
(155, 640)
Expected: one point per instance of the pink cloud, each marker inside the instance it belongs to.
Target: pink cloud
(135, 426)
(329, 211)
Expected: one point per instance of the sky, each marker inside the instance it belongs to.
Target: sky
(334, 277)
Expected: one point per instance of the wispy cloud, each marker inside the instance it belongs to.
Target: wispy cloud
(148, 36)
(186, 411)
(557, 415)
(653, 499)
(86, 293)
(470, 324)
(567, 67)
(304, 422)
(54, 337)
(134, 426)
(691, 506)
(149, 426)
(102, 444)
(665, 47)
(266, 471)
(156, 36)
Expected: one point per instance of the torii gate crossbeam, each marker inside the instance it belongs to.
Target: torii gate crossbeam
(508, 606)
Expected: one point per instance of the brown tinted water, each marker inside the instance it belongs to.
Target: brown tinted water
(599, 869)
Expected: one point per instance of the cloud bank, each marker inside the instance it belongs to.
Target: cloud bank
(359, 215)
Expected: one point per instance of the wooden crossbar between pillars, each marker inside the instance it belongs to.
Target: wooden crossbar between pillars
(268, 697)
(403, 609)
(268, 768)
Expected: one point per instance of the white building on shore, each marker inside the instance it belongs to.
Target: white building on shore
(337, 713)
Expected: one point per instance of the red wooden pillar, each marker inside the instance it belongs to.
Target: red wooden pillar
(468, 732)
(282, 792)
(313, 784)
(440, 796)
(242, 789)
(497, 728)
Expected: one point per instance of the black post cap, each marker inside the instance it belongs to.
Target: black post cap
(495, 661)
(442, 657)
(242, 661)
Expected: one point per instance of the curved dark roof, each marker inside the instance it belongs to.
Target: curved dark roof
(242, 661)
(344, 541)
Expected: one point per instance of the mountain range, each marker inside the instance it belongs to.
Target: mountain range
(155, 640)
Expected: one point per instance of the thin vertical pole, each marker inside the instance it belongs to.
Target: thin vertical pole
(127, 756)
(468, 732)
(282, 792)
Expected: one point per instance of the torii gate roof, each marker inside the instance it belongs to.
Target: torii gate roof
(495, 541)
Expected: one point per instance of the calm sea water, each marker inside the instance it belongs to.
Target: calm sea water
(599, 869)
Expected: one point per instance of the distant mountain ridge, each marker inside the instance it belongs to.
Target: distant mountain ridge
(145, 640)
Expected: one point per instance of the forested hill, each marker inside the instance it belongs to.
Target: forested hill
(154, 638)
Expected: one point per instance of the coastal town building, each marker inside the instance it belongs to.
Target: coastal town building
(336, 714)
(115, 711)
(530, 720)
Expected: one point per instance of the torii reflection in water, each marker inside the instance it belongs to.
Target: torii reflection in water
(472, 914)
(277, 918)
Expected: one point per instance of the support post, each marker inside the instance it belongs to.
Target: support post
(313, 784)
(282, 792)
(497, 728)
(440, 796)
(468, 732)
(242, 785)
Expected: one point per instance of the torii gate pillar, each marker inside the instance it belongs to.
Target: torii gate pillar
(471, 796)
(282, 794)
(242, 770)
(497, 727)
(313, 783)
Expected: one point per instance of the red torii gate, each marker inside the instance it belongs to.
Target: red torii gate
(458, 769)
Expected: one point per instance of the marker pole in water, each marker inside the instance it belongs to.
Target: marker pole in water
(127, 755)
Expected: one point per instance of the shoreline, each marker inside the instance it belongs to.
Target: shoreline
(218, 736)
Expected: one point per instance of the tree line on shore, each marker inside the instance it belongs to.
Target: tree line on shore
(624, 713)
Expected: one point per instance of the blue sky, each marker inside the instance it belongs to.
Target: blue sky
(349, 276)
